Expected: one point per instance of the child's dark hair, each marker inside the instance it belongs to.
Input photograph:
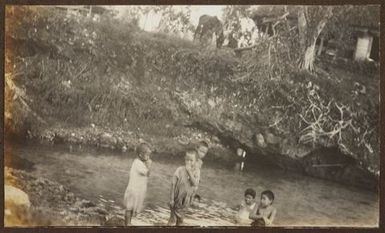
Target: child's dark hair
(142, 148)
(269, 194)
(250, 192)
(196, 196)
(192, 151)
(203, 143)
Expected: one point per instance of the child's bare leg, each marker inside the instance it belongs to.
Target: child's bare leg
(179, 221)
(127, 217)
(172, 219)
(179, 217)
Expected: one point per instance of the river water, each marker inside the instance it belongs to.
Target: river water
(300, 200)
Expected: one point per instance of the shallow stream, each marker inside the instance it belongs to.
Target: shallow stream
(300, 200)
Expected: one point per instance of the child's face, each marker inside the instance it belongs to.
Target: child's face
(265, 201)
(202, 151)
(146, 155)
(248, 199)
(189, 159)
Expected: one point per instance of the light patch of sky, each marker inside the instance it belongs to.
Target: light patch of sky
(212, 10)
(151, 21)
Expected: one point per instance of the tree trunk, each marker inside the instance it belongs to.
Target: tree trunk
(307, 62)
(308, 35)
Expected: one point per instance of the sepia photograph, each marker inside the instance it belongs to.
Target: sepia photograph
(250, 116)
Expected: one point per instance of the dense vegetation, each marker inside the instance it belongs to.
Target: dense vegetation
(73, 72)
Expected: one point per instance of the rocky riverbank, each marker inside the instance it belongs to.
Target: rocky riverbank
(118, 139)
(51, 203)
(48, 203)
(327, 163)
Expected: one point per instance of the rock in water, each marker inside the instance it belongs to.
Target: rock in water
(16, 206)
(16, 197)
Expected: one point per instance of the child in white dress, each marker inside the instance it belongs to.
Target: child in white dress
(137, 185)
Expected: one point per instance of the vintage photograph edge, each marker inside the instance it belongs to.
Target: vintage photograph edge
(381, 228)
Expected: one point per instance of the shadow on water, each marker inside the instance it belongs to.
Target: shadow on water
(15, 161)
(300, 200)
(332, 164)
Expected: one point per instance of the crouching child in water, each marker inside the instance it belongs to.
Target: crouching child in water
(246, 207)
(137, 185)
(264, 213)
(183, 188)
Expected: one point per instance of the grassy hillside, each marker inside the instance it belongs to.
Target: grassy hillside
(77, 77)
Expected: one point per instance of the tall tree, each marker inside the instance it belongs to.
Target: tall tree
(335, 22)
(311, 22)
